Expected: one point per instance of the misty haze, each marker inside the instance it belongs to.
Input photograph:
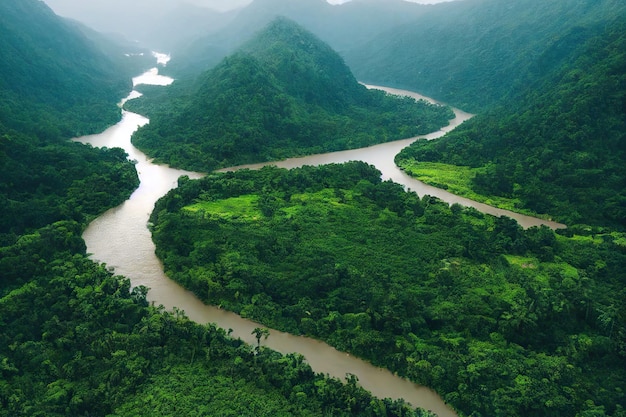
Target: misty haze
(133, 18)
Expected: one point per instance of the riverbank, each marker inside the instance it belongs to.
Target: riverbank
(382, 157)
(457, 180)
(121, 239)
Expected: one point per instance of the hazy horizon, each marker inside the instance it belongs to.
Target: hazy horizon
(105, 16)
(70, 7)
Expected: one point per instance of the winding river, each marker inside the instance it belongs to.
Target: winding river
(121, 239)
(382, 156)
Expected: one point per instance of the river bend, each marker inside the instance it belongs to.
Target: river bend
(120, 238)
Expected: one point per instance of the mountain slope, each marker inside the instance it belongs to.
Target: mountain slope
(285, 93)
(341, 26)
(54, 84)
(51, 71)
(474, 53)
(308, 69)
(561, 148)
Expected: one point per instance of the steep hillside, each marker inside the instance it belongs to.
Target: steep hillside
(285, 93)
(127, 57)
(55, 83)
(474, 53)
(341, 26)
(561, 148)
(52, 74)
(74, 339)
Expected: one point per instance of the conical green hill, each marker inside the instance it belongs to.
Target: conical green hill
(284, 93)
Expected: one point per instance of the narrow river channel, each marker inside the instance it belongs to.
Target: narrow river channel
(120, 238)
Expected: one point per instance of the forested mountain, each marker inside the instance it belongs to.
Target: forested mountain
(474, 53)
(54, 83)
(561, 148)
(51, 76)
(500, 321)
(74, 339)
(284, 93)
(341, 26)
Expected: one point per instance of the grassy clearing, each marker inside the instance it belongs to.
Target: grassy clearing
(454, 178)
(243, 207)
(246, 207)
(567, 272)
(458, 180)
(586, 239)
(323, 200)
(522, 261)
(618, 238)
(323, 196)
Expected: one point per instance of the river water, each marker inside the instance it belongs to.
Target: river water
(382, 156)
(120, 238)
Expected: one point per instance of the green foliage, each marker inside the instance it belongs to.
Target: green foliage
(53, 75)
(283, 94)
(56, 82)
(560, 148)
(499, 320)
(476, 54)
(76, 340)
(43, 182)
(458, 180)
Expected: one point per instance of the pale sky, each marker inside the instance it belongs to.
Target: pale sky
(133, 16)
(412, 1)
(71, 7)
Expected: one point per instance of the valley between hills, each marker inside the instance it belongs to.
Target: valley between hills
(496, 318)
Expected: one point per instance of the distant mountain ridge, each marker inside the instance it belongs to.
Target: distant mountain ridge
(285, 93)
(183, 25)
(475, 53)
(341, 26)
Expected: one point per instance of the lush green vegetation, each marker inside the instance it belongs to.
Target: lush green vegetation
(76, 340)
(458, 180)
(55, 83)
(53, 78)
(285, 93)
(499, 320)
(43, 182)
(473, 54)
(558, 150)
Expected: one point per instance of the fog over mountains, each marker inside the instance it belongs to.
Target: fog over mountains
(133, 18)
